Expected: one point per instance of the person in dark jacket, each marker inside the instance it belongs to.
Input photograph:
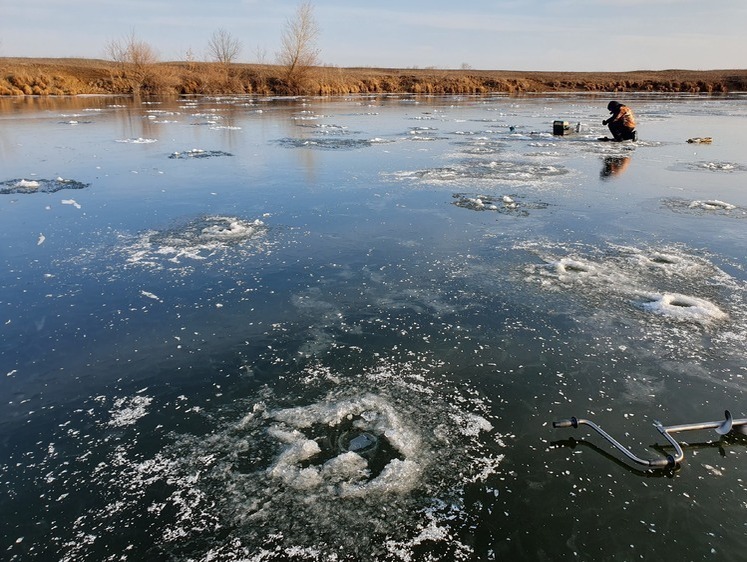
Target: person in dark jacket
(622, 122)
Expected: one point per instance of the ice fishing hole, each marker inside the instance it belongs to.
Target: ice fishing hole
(348, 437)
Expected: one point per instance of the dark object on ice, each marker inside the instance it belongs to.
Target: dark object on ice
(561, 128)
(721, 427)
(621, 123)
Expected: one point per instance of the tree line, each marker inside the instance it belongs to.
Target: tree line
(298, 55)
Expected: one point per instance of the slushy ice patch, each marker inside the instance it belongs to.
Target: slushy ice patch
(197, 153)
(196, 240)
(378, 466)
(22, 185)
(127, 411)
(481, 146)
(701, 207)
(348, 446)
(485, 171)
(670, 283)
(712, 205)
(324, 143)
(505, 204)
(138, 140)
(682, 307)
(709, 166)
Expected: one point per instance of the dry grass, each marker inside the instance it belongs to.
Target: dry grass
(21, 76)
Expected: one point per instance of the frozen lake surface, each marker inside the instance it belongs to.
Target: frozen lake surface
(340, 329)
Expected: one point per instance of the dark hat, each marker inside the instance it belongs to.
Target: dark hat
(613, 105)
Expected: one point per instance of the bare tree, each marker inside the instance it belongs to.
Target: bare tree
(298, 52)
(191, 59)
(260, 54)
(223, 47)
(136, 60)
(131, 51)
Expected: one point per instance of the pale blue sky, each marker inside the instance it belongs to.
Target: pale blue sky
(583, 35)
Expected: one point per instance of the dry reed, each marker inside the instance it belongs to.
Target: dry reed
(41, 77)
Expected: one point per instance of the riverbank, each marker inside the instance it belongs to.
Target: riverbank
(29, 76)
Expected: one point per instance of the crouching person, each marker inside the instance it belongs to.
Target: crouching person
(622, 122)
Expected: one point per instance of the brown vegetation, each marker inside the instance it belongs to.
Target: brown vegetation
(299, 54)
(21, 76)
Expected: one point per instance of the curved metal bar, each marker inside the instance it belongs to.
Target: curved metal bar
(722, 427)
(575, 422)
(679, 453)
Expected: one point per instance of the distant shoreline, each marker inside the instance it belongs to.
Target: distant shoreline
(66, 76)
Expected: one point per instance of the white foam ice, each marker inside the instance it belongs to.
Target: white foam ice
(504, 204)
(569, 269)
(139, 140)
(72, 202)
(231, 229)
(332, 143)
(625, 274)
(196, 240)
(712, 205)
(28, 184)
(127, 411)
(711, 166)
(478, 203)
(683, 307)
(238, 491)
(370, 413)
(198, 153)
(705, 207)
(717, 166)
(489, 172)
(39, 186)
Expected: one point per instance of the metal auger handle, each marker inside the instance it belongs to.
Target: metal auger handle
(651, 463)
(722, 428)
(573, 422)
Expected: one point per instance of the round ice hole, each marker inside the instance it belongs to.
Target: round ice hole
(361, 442)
